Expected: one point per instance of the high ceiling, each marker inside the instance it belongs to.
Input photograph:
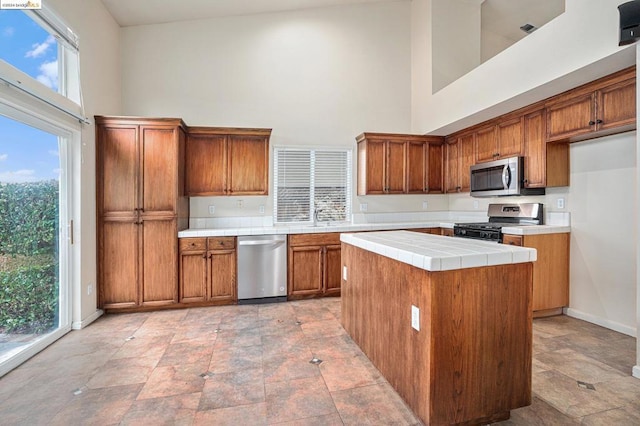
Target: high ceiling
(142, 12)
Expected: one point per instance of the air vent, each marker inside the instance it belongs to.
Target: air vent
(528, 28)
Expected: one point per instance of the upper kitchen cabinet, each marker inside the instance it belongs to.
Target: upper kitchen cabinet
(381, 164)
(459, 157)
(394, 163)
(603, 107)
(502, 140)
(545, 164)
(425, 166)
(227, 161)
(140, 207)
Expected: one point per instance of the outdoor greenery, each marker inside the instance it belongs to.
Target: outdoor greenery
(28, 256)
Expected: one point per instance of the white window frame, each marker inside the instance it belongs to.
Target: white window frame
(312, 186)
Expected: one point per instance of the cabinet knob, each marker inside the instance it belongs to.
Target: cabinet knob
(591, 123)
(204, 256)
(598, 121)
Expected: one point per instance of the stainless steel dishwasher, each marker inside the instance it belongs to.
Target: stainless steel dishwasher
(262, 269)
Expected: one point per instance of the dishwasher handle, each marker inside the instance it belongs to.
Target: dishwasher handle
(260, 243)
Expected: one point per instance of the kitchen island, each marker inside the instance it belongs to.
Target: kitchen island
(447, 321)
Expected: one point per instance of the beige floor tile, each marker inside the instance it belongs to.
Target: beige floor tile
(174, 380)
(297, 399)
(372, 405)
(254, 415)
(173, 410)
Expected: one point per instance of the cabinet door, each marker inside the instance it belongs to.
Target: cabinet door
(118, 264)
(371, 163)
(571, 118)
(117, 167)
(159, 259)
(467, 159)
(395, 167)
(248, 165)
(222, 275)
(486, 144)
(434, 168)
(193, 270)
(417, 167)
(159, 168)
(550, 271)
(332, 270)
(206, 164)
(452, 166)
(305, 271)
(535, 152)
(510, 135)
(616, 105)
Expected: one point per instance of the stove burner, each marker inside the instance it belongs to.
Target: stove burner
(504, 215)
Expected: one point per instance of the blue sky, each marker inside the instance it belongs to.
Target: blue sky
(27, 154)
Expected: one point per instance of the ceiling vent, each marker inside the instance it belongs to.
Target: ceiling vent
(528, 28)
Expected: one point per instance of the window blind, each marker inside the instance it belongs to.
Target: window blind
(309, 181)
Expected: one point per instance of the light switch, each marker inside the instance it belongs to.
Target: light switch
(212, 209)
(425, 205)
(364, 207)
(415, 317)
(561, 203)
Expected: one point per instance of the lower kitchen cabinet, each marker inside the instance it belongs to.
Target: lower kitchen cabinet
(208, 272)
(314, 265)
(550, 271)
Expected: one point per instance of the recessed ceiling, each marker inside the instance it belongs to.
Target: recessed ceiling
(143, 12)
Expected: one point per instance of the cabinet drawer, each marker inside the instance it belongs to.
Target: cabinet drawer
(221, 243)
(193, 244)
(314, 239)
(512, 240)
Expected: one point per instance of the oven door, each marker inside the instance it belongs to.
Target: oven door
(496, 178)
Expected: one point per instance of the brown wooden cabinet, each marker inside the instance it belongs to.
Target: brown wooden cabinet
(314, 265)
(501, 140)
(545, 164)
(599, 108)
(208, 271)
(140, 209)
(381, 164)
(460, 156)
(550, 271)
(425, 166)
(227, 161)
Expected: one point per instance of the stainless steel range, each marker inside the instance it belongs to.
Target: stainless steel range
(500, 215)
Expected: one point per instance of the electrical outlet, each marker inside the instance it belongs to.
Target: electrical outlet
(415, 317)
(261, 209)
(240, 203)
(212, 209)
(560, 203)
(344, 272)
(364, 207)
(476, 205)
(89, 289)
(425, 205)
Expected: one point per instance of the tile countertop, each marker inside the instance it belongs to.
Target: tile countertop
(438, 253)
(382, 226)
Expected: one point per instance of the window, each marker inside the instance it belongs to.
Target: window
(309, 181)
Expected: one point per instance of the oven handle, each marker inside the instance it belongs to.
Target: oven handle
(506, 176)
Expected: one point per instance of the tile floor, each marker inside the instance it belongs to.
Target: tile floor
(250, 365)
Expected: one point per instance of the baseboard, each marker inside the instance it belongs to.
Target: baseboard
(635, 372)
(77, 325)
(611, 325)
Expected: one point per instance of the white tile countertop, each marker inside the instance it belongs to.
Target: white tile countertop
(438, 253)
(383, 226)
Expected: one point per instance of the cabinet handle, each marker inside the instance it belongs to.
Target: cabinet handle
(526, 182)
(598, 121)
(204, 256)
(591, 123)
(458, 188)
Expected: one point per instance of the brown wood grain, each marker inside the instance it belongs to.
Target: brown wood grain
(510, 138)
(535, 152)
(471, 360)
(248, 172)
(206, 164)
(223, 276)
(486, 144)
(435, 163)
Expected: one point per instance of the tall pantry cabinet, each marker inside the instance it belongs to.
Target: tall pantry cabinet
(141, 206)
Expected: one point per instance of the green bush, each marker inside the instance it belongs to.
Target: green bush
(28, 217)
(29, 299)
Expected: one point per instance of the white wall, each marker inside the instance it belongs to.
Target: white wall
(100, 75)
(317, 77)
(456, 40)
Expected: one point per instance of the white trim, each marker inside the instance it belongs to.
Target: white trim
(635, 371)
(603, 322)
(77, 325)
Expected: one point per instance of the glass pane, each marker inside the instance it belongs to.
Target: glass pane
(29, 47)
(29, 233)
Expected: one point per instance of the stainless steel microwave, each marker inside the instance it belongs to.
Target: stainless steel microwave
(499, 178)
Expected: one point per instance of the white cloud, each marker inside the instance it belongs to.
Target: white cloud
(8, 31)
(40, 49)
(18, 176)
(4, 157)
(54, 153)
(49, 74)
